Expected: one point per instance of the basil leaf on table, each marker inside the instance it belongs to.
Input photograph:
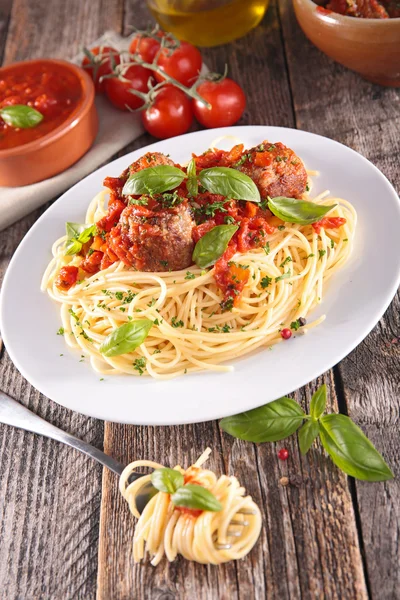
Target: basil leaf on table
(167, 480)
(318, 402)
(196, 497)
(307, 434)
(351, 450)
(126, 338)
(270, 423)
(212, 245)
(291, 210)
(21, 116)
(230, 183)
(153, 180)
(192, 183)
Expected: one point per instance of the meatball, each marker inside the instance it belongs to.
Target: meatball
(150, 159)
(156, 239)
(275, 169)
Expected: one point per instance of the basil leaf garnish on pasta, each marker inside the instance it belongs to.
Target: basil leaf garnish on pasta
(342, 439)
(270, 423)
(351, 450)
(167, 480)
(153, 180)
(21, 116)
(192, 183)
(126, 338)
(196, 497)
(230, 183)
(212, 245)
(77, 235)
(302, 212)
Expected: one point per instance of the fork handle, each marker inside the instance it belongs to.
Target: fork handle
(15, 414)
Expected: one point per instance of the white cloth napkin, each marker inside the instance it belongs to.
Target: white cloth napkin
(116, 129)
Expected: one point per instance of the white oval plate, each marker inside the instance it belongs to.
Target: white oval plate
(354, 301)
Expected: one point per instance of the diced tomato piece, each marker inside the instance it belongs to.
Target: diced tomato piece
(190, 512)
(262, 159)
(92, 262)
(115, 208)
(67, 277)
(328, 223)
(230, 277)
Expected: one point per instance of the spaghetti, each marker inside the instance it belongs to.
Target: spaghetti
(208, 537)
(286, 279)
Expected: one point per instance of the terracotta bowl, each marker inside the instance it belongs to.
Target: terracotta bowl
(58, 149)
(370, 47)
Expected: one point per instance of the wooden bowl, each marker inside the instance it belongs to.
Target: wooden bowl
(60, 148)
(370, 47)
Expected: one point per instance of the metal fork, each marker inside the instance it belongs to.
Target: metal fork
(15, 414)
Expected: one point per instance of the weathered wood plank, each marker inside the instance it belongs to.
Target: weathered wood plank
(49, 494)
(309, 546)
(5, 12)
(334, 102)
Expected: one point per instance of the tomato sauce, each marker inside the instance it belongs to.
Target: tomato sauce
(53, 90)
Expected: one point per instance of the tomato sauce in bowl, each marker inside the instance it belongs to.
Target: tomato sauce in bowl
(52, 90)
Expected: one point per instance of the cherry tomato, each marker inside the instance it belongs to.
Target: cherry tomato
(170, 115)
(103, 60)
(184, 64)
(227, 101)
(117, 89)
(146, 47)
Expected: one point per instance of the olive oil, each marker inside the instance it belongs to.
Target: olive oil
(208, 22)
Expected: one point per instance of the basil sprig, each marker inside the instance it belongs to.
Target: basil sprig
(196, 497)
(167, 480)
(302, 212)
(153, 180)
(230, 183)
(192, 183)
(126, 338)
(21, 116)
(212, 245)
(77, 235)
(191, 495)
(342, 439)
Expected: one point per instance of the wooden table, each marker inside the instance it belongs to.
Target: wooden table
(64, 530)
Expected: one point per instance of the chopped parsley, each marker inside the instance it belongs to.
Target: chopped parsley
(210, 209)
(307, 188)
(286, 261)
(265, 282)
(61, 331)
(271, 148)
(164, 263)
(310, 255)
(227, 304)
(332, 244)
(190, 275)
(229, 220)
(284, 276)
(321, 253)
(295, 325)
(139, 365)
(267, 249)
(169, 199)
(157, 351)
(119, 295)
(143, 201)
(176, 323)
(152, 302)
(281, 227)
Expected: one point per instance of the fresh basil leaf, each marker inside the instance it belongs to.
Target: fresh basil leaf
(21, 116)
(318, 402)
(196, 497)
(212, 245)
(167, 480)
(291, 210)
(270, 423)
(77, 235)
(153, 180)
(87, 234)
(230, 183)
(74, 230)
(126, 338)
(351, 450)
(192, 183)
(72, 247)
(307, 435)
